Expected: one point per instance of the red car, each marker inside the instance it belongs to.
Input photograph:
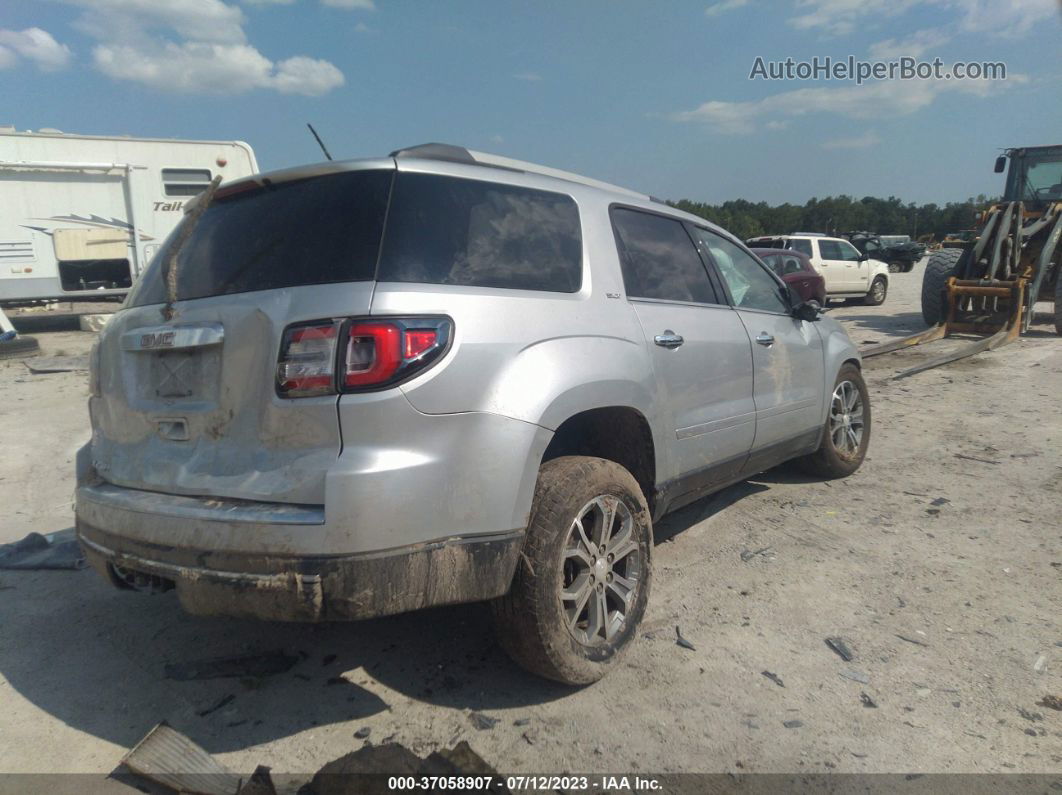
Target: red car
(796, 271)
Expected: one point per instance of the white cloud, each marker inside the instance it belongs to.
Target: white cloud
(915, 45)
(864, 141)
(363, 5)
(35, 45)
(192, 46)
(869, 101)
(210, 21)
(309, 76)
(723, 6)
(1004, 17)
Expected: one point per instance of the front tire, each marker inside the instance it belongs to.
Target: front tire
(582, 584)
(879, 288)
(846, 437)
(942, 264)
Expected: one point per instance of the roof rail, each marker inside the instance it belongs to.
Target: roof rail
(458, 154)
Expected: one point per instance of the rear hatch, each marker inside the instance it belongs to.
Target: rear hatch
(189, 405)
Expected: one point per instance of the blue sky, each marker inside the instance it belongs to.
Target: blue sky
(650, 95)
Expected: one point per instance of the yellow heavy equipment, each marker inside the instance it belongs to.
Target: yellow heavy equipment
(990, 283)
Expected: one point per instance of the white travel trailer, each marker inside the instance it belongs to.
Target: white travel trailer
(81, 215)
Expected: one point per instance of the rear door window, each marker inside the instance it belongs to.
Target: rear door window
(829, 249)
(658, 258)
(803, 246)
(446, 230)
(311, 231)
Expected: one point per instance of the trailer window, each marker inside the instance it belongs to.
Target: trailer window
(185, 181)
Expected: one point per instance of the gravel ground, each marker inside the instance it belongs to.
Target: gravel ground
(938, 564)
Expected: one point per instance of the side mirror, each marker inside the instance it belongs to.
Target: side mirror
(1001, 164)
(864, 257)
(808, 310)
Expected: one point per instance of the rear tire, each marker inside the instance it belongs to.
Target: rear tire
(942, 265)
(540, 621)
(19, 348)
(879, 288)
(844, 443)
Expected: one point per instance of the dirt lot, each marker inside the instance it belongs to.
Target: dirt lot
(938, 563)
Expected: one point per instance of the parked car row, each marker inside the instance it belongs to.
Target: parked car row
(847, 272)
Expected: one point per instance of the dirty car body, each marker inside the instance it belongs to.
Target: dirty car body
(370, 362)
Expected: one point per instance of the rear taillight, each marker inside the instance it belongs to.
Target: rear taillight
(307, 364)
(324, 357)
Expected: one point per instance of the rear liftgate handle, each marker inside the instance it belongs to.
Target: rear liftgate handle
(669, 339)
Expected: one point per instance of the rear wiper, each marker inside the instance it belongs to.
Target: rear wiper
(193, 211)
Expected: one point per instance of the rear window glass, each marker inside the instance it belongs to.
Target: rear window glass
(443, 230)
(312, 231)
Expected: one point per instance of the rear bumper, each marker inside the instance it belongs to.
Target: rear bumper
(312, 588)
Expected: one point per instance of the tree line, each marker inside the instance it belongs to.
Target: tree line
(836, 214)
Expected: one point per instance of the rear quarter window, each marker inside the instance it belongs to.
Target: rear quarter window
(448, 230)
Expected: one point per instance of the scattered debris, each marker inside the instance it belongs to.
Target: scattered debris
(975, 458)
(681, 641)
(975, 734)
(940, 501)
(855, 676)
(223, 702)
(839, 646)
(167, 757)
(1031, 732)
(483, 722)
(747, 555)
(260, 783)
(362, 733)
(1051, 702)
(249, 665)
(858, 755)
(916, 493)
(915, 641)
(867, 701)
(57, 364)
(93, 322)
(1040, 664)
(1031, 716)
(792, 724)
(527, 738)
(774, 678)
(34, 552)
(522, 722)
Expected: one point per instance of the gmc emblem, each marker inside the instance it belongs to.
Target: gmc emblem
(164, 339)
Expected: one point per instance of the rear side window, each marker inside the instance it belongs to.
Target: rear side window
(829, 249)
(185, 181)
(659, 259)
(312, 231)
(445, 230)
(803, 246)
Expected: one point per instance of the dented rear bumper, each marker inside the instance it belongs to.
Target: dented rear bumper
(282, 588)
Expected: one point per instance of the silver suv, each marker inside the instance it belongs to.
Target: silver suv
(355, 389)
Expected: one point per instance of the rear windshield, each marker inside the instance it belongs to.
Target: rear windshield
(439, 230)
(311, 231)
(443, 230)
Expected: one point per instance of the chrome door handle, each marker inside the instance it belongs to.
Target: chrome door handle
(669, 339)
(763, 338)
